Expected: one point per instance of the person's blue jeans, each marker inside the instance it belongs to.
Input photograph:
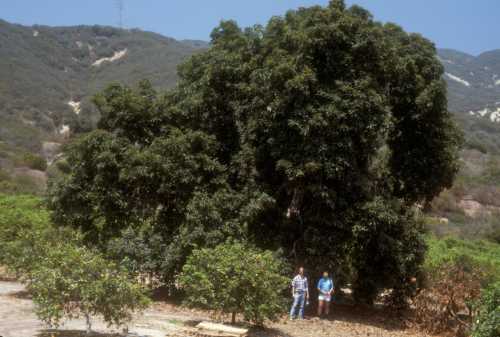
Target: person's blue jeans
(298, 301)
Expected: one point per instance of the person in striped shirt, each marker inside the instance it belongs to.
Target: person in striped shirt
(300, 293)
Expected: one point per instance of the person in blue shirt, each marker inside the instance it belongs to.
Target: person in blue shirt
(325, 290)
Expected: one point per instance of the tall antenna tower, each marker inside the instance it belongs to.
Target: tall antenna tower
(121, 7)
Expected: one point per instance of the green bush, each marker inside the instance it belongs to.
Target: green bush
(35, 162)
(21, 185)
(65, 278)
(26, 234)
(233, 278)
(456, 273)
(484, 255)
(73, 281)
(21, 217)
(494, 234)
(475, 144)
(487, 322)
(388, 253)
(4, 175)
(141, 252)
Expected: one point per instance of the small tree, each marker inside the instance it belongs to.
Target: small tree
(66, 279)
(73, 281)
(35, 162)
(234, 278)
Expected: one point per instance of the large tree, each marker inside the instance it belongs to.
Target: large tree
(315, 134)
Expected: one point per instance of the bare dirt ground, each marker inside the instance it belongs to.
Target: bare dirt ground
(17, 319)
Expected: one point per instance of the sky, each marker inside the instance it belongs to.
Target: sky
(472, 26)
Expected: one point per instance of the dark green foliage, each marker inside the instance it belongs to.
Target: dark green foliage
(422, 122)
(387, 251)
(313, 135)
(141, 251)
(235, 279)
(118, 183)
(134, 116)
(494, 235)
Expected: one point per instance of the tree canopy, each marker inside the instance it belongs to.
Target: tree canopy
(315, 134)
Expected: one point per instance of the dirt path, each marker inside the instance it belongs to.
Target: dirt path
(17, 319)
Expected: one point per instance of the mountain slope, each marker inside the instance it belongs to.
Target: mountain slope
(471, 207)
(48, 74)
(474, 96)
(473, 82)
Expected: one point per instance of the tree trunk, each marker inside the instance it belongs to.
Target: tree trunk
(233, 317)
(89, 323)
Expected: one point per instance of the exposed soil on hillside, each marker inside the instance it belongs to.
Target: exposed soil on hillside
(17, 319)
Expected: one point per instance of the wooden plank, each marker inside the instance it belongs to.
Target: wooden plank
(224, 330)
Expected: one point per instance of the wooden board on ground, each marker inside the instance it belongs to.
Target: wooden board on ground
(213, 329)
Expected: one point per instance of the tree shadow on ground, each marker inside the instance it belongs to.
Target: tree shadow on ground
(6, 276)
(266, 332)
(163, 294)
(73, 333)
(21, 294)
(253, 331)
(351, 317)
(191, 323)
(380, 317)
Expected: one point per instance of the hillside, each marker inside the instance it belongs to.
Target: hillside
(472, 207)
(474, 96)
(473, 82)
(49, 74)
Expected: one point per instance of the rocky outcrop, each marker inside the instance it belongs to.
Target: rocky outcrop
(50, 151)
